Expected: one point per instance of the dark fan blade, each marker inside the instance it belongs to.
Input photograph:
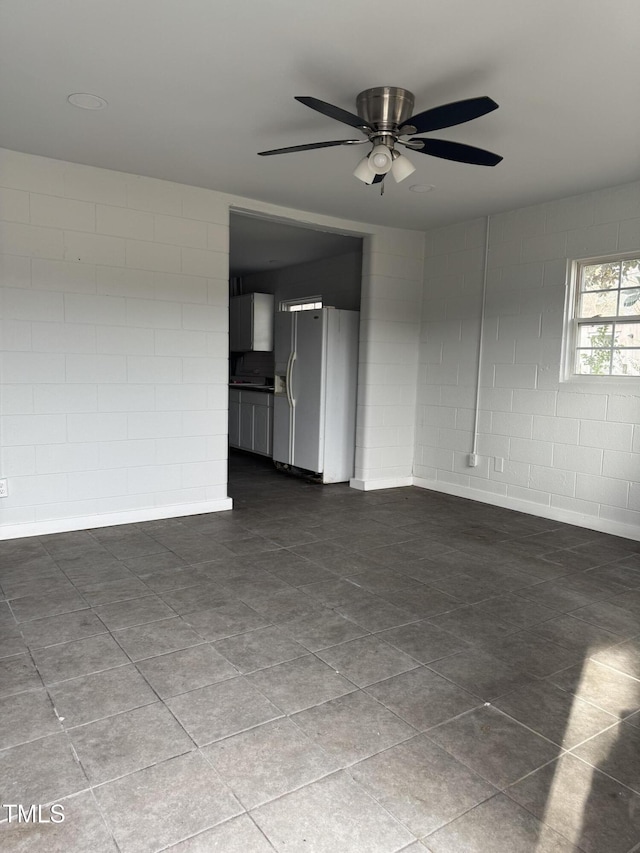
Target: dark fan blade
(310, 146)
(457, 151)
(450, 114)
(379, 179)
(334, 112)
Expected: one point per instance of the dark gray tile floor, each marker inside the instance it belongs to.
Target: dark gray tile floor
(322, 670)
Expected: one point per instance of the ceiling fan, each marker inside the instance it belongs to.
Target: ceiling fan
(384, 115)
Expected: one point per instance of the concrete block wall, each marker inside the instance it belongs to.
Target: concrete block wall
(389, 348)
(570, 448)
(114, 346)
(113, 402)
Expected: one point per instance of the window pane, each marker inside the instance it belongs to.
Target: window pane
(631, 273)
(594, 362)
(306, 305)
(608, 343)
(595, 336)
(629, 301)
(600, 276)
(602, 303)
(626, 362)
(627, 335)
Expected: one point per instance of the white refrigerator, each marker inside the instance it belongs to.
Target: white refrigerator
(316, 376)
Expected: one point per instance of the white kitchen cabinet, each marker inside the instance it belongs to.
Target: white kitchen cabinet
(262, 429)
(251, 421)
(234, 417)
(246, 424)
(251, 322)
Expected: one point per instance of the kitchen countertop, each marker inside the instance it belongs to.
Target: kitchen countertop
(242, 386)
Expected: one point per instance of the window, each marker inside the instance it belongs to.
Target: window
(606, 318)
(311, 303)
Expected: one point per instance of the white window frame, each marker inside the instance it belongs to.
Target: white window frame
(308, 303)
(573, 323)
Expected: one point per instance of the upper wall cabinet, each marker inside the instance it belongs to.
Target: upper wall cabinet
(251, 322)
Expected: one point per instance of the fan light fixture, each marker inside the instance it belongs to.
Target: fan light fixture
(401, 167)
(363, 171)
(380, 159)
(385, 117)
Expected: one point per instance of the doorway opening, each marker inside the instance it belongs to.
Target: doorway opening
(273, 264)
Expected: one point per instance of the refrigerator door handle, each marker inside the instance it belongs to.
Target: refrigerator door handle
(289, 379)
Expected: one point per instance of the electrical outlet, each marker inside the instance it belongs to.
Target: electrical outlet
(473, 460)
(4, 489)
(498, 464)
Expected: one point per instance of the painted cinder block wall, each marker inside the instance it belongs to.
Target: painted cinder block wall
(389, 350)
(114, 339)
(571, 449)
(113, 380)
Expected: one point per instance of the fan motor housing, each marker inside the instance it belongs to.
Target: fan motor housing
(385, 107)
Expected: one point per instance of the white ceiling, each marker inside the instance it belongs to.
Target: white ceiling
(197, 87)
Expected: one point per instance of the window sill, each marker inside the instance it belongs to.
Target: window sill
(613, 384)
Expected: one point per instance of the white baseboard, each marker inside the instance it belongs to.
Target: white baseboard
(109, 519)
(602, 525)
(390, 483)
